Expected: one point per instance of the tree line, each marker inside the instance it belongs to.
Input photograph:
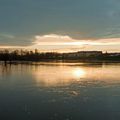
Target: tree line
(26, 55)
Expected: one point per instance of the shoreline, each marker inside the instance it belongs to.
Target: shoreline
(60, 61)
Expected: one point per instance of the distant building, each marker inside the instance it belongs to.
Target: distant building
(114, 54)
(84, 54)
(89, 53)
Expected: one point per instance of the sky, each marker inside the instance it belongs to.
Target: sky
(60, 25)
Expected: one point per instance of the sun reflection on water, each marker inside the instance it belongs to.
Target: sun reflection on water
(57, 76)
(65, 75)
(78, 73)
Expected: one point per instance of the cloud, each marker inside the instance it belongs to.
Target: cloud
(64, 43)
(14, 40)
(54, 39)
(7, 36)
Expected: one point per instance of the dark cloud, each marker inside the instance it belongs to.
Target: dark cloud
(80, 19)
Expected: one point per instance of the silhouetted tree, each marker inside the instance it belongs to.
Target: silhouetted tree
(26, 55)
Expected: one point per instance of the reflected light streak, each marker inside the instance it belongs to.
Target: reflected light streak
(60, 77)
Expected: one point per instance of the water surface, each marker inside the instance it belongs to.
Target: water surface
(60, 91)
